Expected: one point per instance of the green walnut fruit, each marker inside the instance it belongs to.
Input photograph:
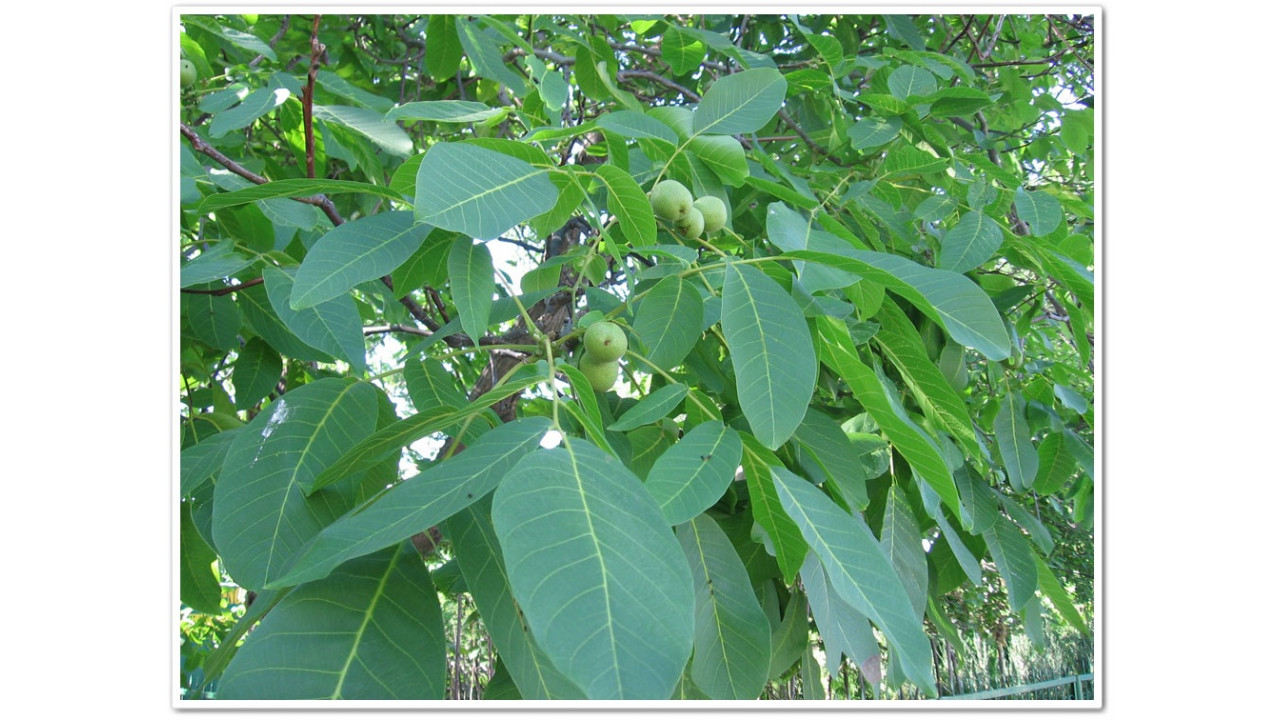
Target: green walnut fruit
(187, 72)
(691, 225)
(671, 200)
(605, 342)
(713, 212)
(601, 375)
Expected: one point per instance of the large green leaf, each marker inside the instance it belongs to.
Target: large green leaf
(920, 450)
(1052, 589)
(651, 408)
(471, 277)
(385, 134)
(629, 204)
(256, 373)
(774, 364)
(900, 539)
(787, 545)
(354, 252)
(419, 502)
(724, 155)
(842, 628)
(971, 242)
(694, 473)
(1013, 437)
(479, 191)
(822, 442)
(1040, 210)
(1015, 560)
(731, 632)
(600, 577)
(255, 105)
(332, 326)
(255, 305)
(475, 544)
(948, 298)
(901, 344)
(669, 321)
(633, 124)
(860, 572)
(371, 631)
(740, 103)
(198, 579)
(261, 514)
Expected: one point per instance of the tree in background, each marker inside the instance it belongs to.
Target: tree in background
(823, 403)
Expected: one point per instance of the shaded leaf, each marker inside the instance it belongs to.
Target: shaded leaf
(332, 326)
(354, 252)
(371, 631)
(479, 191)
(731, 647)
(774, 364)
(651, 407)
(598, 574)
(668, 321)
(471, 279)
(694, 473)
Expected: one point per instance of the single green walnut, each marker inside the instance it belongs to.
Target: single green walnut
(671, 200)
(713, 212)
(601, 375)
(605, 342)
(691, 225)
(187, 72)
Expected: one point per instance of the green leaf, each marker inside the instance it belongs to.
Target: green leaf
(724, 155)
(668, 321)
(860, 572)
(255, 305)
(774, 364)
(430, 385)
(740, 103)
(971, 242)
(900, 540)
(788, 545)
(203, 460)
(475, 543)
(1015, 561)
(217, 262)
(629, 204)
(471, 278)
(1013, 437)
(682, 50)
(354, 252)
(255, 105)
(1052, 589)
(198, 586)
(335, 84)
(443, 52)
(485, 54)
(901, 345)
(633, 124)
(418, 502)
(960, 101)
(694, 473)
(332, 326)
(256, 373)
(842, 628)
(652, 407)
(868, 388)
(261, 514)
(450, 111)
(874, 131)
(948, 298)
(291, 188)
(910, 81)
(214, 319)
(600, 577)
(370, 123)
(1054, 465)
(1040, 210)
(731, 632)
(371, 631)
(478, 191)
(821, 438)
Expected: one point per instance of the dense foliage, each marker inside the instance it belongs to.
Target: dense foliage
(849, 428)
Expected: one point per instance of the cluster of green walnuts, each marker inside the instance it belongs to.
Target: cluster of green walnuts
(673, 202)
(604, 343)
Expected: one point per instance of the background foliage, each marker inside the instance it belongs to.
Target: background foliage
(853, 429)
